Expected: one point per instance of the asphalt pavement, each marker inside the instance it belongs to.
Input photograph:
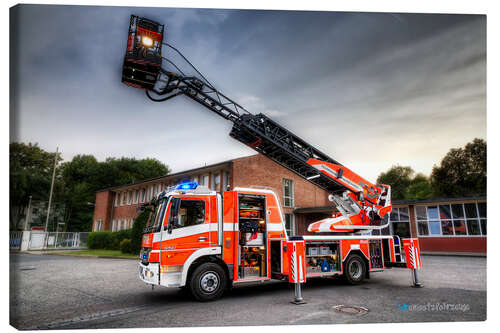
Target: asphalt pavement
(59, 292)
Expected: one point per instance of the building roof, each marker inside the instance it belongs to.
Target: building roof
(327, 209)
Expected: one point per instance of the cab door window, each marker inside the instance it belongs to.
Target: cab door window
(191, 212)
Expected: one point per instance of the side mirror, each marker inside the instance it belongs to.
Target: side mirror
(171, 224)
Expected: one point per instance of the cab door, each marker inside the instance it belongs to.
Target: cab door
(186, 228)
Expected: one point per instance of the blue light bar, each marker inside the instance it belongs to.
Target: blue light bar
(187, 186)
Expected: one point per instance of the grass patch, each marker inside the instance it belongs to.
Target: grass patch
(99, 253)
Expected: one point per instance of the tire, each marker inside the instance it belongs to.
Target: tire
(354, 269)
(207, 282)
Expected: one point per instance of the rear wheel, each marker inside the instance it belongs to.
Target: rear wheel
(208, 282)
(354, 269)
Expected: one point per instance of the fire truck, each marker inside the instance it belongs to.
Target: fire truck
(207, 241)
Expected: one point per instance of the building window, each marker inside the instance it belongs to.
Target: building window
(204, 180)
(98, 225)
(481, 209)
(113, 226)
(143, 195)
(129, 197)
(225, 181)
(159, 188)
(136, 196)
(151, 193)
(289, 224)
(287, 192)
(399, 222)
(117, 199)
(124, 198)
(215, 182)
(434, 224)
(468, 219)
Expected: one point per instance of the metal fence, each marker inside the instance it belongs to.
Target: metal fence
(15, 239)
(41, 240)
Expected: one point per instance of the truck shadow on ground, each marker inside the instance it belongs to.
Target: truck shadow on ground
(162, 296)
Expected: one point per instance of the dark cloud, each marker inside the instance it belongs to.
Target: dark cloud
(370, 89)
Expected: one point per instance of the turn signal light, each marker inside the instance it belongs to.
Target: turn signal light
(170, 268)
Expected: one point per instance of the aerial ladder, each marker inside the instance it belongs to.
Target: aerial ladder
(361, 205)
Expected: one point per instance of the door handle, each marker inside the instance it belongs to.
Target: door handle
(202, 239)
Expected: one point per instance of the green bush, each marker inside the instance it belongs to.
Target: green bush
(124, 234)
(139, 225)
(103, 240)
(126, 246)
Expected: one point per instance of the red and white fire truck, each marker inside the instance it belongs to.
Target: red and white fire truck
(208, 241)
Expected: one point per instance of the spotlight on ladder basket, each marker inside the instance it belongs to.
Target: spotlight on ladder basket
(142, 61)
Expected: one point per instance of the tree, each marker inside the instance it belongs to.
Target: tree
(30, 175)
(462, 171)
(139, 225)
(406, 185)
(75, 185)
(84, 175)
(399, 178)
(420, 188)
(124, 170)
(81, 181)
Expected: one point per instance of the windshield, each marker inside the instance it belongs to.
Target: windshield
(156, 214)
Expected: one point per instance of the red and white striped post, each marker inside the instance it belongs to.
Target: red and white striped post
(296, 251)
(412, 253)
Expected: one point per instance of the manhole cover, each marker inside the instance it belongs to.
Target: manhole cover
(27, 268)
(350, 309)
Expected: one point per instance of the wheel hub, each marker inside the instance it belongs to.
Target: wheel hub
(355, 269)
(209, 282)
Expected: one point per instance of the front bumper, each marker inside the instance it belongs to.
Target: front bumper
(150, 273)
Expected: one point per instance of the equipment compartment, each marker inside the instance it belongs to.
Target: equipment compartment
(376, 261)
(253, 262)
(323, 257)
(252, 236)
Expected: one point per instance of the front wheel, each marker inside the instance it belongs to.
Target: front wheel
(354, 269)
(208, 282)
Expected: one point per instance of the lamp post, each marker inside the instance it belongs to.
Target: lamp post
(50, 198)
(28, 215)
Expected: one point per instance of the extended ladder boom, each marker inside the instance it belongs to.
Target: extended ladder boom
(369, 202)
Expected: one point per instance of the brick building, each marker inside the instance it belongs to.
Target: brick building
(454, 225)
(115, 208)
(442, 225)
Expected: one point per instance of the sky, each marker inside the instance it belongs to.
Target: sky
(370, 90)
